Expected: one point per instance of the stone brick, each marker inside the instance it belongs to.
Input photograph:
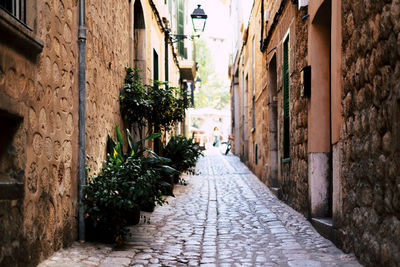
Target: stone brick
(374, 127)
(42, 91)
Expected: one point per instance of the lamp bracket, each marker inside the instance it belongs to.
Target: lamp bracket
(173, 38)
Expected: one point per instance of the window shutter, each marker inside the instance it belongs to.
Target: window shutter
(180, 26)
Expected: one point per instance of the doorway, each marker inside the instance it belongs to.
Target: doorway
(319, 117)
(272, 169)
(139, 28)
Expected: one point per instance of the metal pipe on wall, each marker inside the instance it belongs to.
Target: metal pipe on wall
(82, 115)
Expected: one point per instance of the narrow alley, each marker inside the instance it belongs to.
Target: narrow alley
(224, 217)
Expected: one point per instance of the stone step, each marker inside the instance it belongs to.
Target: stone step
(276, 191)
(324, 227)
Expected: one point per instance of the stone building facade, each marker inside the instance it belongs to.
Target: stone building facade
(38, 92)
(320, 127)
(40, 85)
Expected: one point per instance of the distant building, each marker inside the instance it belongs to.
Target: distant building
(315, 98)
(49, 53)
(202, 121)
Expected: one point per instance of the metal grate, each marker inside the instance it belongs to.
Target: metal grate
(15, 7)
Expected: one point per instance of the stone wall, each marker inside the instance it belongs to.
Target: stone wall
(108, 42)
(366, 159)
(254, 70)
(39, 109)
(370, 133)
(42, 154)
(295, 187)
(110, 47)
(293, 177)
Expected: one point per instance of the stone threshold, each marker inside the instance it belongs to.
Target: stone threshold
(324, 227)
(276, 191)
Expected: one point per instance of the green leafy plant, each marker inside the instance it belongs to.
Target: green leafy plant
(135, 149)
(168, 106)
(112, 199)
(134, 102)
(154, 188)
(156, 106)
(128, 183)
(183, 153)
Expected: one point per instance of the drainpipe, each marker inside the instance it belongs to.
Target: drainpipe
(82, 114)
(166, 60)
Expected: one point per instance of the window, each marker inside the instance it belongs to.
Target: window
(285, 104)
(256, 154)
(15, 8)
(11, 176)
(17, 27)
(155, 67)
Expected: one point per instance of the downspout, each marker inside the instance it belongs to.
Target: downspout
(82, 114)
(166, 59)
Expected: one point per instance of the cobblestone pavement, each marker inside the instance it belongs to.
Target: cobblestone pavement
(224, 217)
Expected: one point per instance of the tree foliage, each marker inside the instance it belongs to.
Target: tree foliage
(214, 89)
(156, 106)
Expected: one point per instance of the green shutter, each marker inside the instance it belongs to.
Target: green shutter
(180, 25)
(285, 106)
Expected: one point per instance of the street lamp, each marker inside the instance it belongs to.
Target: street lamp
(199, 18)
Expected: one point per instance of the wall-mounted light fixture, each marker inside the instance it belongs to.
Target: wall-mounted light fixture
(199, 19)
(303, 3)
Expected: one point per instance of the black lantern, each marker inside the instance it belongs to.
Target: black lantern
(199, 23)
(199, 19)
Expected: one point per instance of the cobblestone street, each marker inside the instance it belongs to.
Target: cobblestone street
(224, 217)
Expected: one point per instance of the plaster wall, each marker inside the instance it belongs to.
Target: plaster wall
(318, 180)
(336, 70)
(319, 58)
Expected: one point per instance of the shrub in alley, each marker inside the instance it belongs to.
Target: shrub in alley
(113, 197)
(156, 106)
(129, 182)
(183, 153)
